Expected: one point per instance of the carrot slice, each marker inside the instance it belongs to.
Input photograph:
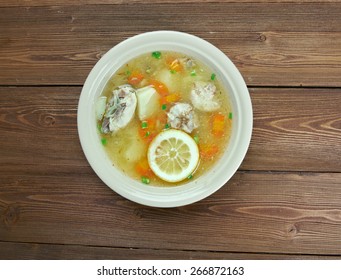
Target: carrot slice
(143, 169)
(218, 125)
(208, 151)
(174, 64)
(173, 97)
(147, 129)
(135, 78)
(161, 88)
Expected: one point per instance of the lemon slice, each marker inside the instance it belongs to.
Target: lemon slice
(173, 155)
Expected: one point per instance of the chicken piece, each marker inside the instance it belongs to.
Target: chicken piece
(120, 109)
(203, 97)
(187, 62)
(181, 116)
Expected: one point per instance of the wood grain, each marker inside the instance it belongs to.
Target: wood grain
(32, 3)
(58, 45)
(283, 203)
(49, 194)
(283, 213)
(29, 251)
(39, 130)
(294, 130)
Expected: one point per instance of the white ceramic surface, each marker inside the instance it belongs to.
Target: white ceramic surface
(195, 189)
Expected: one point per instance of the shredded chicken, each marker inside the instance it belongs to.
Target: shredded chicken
(181, 116)
(203, 97)
(187, 62)
(120, 109)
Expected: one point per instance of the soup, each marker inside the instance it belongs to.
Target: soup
(164, 118)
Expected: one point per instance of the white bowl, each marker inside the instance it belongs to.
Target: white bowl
(190, 191)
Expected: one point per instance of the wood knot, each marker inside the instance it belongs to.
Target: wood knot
(11, 215)
(293, 230)
(49, 120)
(99, 55)
(262, 38)
(138, 213)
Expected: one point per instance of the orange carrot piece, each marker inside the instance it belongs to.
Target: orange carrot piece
(218, 125)
(173, 97)
(148, 132)
(161, 120)
(143, 169)
(161, 88)
(135, 78)
(207, 151)
(163, 100)
(174, 64)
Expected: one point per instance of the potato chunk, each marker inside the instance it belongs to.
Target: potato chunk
(135, 150)
(165, 77)
(147, 102)
(100, 107)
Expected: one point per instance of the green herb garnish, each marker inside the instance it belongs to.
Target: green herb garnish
(193, 73)
(156, 55)
(213, 77)
(164, 107)
(196, 138)
(145, 180)
(144, 125)
(104, 141)
(230, 116)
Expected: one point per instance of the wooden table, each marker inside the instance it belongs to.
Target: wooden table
(283, 203)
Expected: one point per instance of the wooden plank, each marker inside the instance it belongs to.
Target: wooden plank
(49, 194)
(287, 213)
(262, 39)
(294, 129)
(29, 251)
(43, 119)
(33, 3)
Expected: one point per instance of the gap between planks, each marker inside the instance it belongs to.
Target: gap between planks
(250, 86)
(153, 253)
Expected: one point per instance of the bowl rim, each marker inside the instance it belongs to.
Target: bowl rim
(189, 192)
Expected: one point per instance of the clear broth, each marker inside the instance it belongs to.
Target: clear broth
(128, 147)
